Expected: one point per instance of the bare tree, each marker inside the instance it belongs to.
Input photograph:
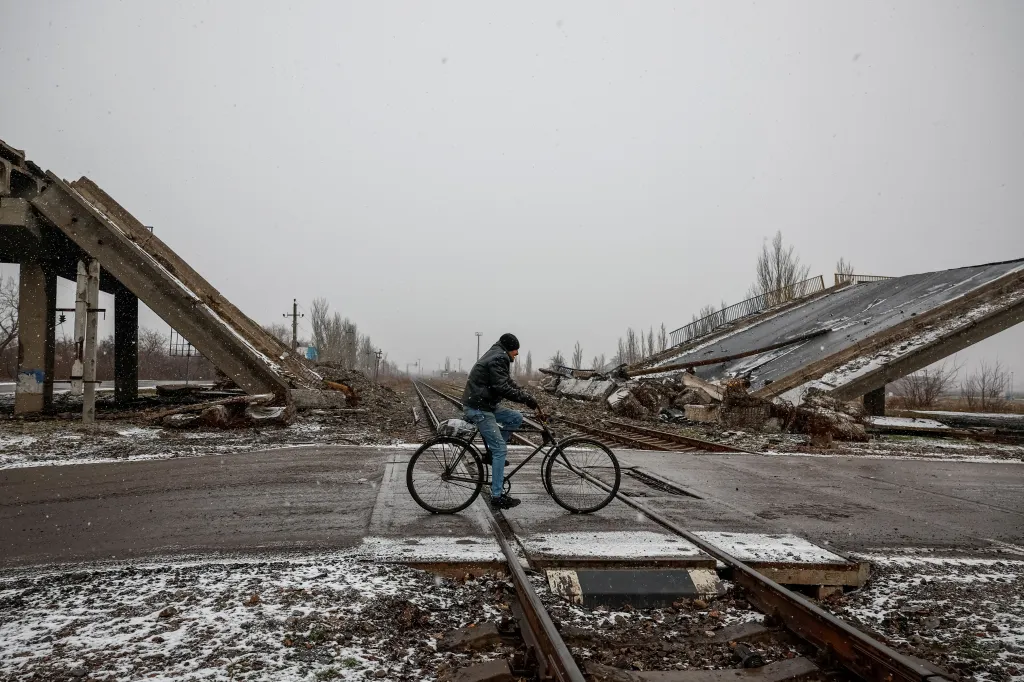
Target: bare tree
(662, 339)
(705, 311)
(529, 364)
(650, 341)
(327, 331)
(556, 360)
(598, 362)
(985, 389)
(844, 268)
(8, 312)
(577, 356)
(632, 347)
(279, 332)
(620, 356)
(778, 269)
(922, 389)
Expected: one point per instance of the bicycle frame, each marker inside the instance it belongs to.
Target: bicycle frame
(549, 443)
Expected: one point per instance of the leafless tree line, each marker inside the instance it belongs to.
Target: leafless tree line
(984, 390)
(155, 361)
(337, 340)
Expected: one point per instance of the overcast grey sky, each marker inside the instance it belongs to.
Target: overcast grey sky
(559, 170)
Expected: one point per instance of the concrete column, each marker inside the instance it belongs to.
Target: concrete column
(126, 346)
(92, 321)
(874, 402)
(37, 301)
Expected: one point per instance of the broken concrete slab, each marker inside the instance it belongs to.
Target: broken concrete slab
(595, 549)
(695, 382)
(472, 638)
(789, 670)
(215, 416)
(491, 671)
(153, 284)
(585, 389)
(790, 560)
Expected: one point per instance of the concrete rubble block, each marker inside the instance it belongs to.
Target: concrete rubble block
(314, 399)
(180, 421)
(706, 387)
(259, 415)
(215, 416)
(491, 671)
(585, 389)
(631, 407)
(747, 417)
(550, 383)
(693, 396)
(473, 638)
(617, 397)
(707, 414)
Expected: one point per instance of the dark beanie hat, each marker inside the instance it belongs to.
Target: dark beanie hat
(509, 342)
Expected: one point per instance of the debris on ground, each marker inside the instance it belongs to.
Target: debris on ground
(185, 427)
(319, 618)
(960, 611)
(692, 634)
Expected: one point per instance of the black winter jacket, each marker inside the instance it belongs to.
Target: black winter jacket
(489, 382)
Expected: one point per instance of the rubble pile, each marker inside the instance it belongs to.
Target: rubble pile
(685, 399)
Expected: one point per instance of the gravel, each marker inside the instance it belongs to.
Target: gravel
(317, 618)
(961, 611)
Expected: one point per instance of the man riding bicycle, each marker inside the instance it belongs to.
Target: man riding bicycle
(488, 383)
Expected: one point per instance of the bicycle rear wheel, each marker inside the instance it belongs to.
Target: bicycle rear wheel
(445, 475)
(571, 470)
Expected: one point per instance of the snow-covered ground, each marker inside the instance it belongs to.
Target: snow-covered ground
(325, 617)
(963, 612)
(60, 442)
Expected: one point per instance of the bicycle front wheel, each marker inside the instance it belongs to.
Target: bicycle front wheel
(572, 471)
(445, 475)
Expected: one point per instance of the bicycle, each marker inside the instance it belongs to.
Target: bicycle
(446, 474)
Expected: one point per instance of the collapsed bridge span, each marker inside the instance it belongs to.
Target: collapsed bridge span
(48, 225)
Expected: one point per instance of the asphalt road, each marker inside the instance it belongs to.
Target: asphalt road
(302, 498)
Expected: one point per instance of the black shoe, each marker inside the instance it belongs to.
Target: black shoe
(506, 501)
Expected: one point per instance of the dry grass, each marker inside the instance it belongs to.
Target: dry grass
(958, 404)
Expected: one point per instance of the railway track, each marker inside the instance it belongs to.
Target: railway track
(645, 438)
(553, 658)
(862, 656)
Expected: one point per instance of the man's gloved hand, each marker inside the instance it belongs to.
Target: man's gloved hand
(530, 402)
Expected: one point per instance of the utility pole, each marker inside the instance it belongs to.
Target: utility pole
(419, 366)
(295, 323)
(376, 365)
(478, 335)
(460, 365)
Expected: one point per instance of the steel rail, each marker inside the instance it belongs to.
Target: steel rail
(860, 654)
(648, 443)
(431, 417)
(554, 659)
(458, 403)
(696, 443)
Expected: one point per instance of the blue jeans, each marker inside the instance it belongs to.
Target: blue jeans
(496, 428)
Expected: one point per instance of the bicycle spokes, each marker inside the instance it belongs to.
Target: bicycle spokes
(444, 475)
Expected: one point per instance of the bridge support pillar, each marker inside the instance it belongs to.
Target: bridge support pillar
(874, 402)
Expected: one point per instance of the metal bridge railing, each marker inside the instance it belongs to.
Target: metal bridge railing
(842, 278)
(751, 306)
